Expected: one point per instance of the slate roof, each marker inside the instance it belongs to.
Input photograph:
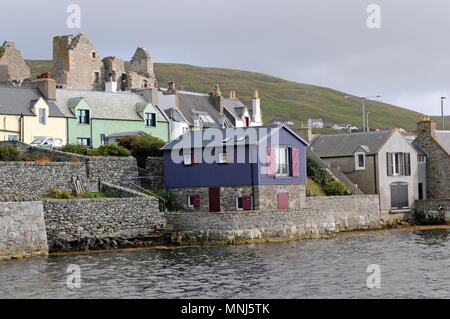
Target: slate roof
(336, 145)
(104, 105)
(444, 139)
(16, 101)
(187, 139)
(418, 149)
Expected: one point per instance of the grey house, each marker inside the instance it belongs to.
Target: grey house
(382, 163)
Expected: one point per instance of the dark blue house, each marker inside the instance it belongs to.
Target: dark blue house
(252, 168)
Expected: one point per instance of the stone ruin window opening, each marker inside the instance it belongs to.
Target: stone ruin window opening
(94, 55)
(97, 77)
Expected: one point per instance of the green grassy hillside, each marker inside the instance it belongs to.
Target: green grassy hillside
(279, 98)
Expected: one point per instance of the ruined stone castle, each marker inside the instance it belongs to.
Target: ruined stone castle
(77, 65)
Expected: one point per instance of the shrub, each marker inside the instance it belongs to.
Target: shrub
(44, 159)
(147, 145)
(336, 188)
(169, 199)
(109, 150)
(9, 153)
(55, 194)
(314, 170)
(75, 148)
(126, 142)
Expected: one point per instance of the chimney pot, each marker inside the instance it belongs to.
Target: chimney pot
(256, 95)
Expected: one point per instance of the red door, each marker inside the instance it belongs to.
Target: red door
(214, 199)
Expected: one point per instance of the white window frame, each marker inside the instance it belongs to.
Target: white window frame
(187, 159)
(396, 165)
(237, 203)
(357, 167)
(222, 158)
(278, 152)
(189, 198)
(421, 159)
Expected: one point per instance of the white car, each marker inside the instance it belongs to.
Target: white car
(48, 142)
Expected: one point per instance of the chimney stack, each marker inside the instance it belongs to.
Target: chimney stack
(426, 127)
(256, 108)
(110, 85)
(232, 94)
(217, 97)
(46, 85)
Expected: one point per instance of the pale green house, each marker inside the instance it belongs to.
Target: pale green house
(93, 115)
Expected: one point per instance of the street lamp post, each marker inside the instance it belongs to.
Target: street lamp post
(442, 111)
(363, 98)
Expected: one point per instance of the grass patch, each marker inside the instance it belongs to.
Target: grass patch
(55, 194)
(313, 188)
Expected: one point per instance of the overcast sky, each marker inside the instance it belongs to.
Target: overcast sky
(321, 42)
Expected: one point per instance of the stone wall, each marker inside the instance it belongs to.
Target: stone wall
(265, 196)
(432, 211)
(119, 191)
(38, 178)
(56, 174)
(254, 226)
(22, 228)
(114, 218)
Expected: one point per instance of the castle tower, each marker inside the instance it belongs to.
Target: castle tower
(140, 71)
(13, 68)
(76, 63)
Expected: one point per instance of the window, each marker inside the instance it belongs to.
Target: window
(282, 158)
(96, 76)
(12, 137)
(94, 55)
(422, 158)
(150, 119)
(193, 201)
(42, 116)
(398, 164)
(83, 116)
(360, 161)
(102, 139)
(222, 158)
(239, 203)
(84, 141)
(187, 159)
(243, 203)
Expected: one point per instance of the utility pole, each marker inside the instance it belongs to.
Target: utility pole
(368, 127)
(363, 98)
(442, 111)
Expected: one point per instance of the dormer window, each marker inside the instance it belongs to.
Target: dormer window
(83, 117)
(360, 161)
(42, 116)
(150, 119)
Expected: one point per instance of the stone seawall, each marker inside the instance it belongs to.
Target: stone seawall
(22, 228)
(103, 221)
(323, 217)
(432, 211)
(241, 227)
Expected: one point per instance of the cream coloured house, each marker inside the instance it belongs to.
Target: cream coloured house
(26, 114)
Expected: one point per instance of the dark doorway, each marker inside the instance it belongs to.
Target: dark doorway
(420, 190)
(399, 195)
(214, 199)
